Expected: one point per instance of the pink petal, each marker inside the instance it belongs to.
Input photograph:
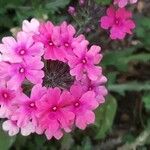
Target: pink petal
(35, 76)
(111, 11)
(93, 72)
(106, 22)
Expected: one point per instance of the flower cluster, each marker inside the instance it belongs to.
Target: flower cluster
(118, 20)
(50, 80)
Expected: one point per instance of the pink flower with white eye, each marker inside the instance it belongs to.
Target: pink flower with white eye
(49, 35)
(54, 114)
(23, 48)
(96, 86)
(27, 109)
(123, 3)
(31, 27)
(118, 21)
(67, 41)
(83, 61)
(29, 69)
(83, 106)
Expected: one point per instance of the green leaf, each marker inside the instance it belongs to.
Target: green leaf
(117, 58)
(121, 59)
(55, 5)
(103, 2)
(67, 142)
(87, 144)
(146, 100)
(105, 117)
(5, 140)
(130, 86)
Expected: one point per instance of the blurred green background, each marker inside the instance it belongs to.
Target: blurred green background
(123, 122)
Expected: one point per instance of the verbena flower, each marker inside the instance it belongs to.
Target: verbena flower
(118, 21)
(50, 80)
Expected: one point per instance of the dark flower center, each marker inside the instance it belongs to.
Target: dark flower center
(57, 74)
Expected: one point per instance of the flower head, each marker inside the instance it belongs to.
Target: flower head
(50, 80)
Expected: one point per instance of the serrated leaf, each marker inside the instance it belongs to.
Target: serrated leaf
(105, 117)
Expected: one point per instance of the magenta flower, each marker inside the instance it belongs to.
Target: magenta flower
(96, 86)
(83, 61)
(24, 48)
(54, 114)
(30, 70)
(118, 21)
(26, 112)
(123, 3)
(48, 35)
(82, 106)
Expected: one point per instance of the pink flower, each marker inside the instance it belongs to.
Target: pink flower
(119, 21)
(67, 41)
(82, 106)
(27, 107)
(84, 61)
(24, 48)
(48, 35)
(72, 10)
(54, 114)
(31, 27)
(29, 69)
(123, 3)
(96, 86)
